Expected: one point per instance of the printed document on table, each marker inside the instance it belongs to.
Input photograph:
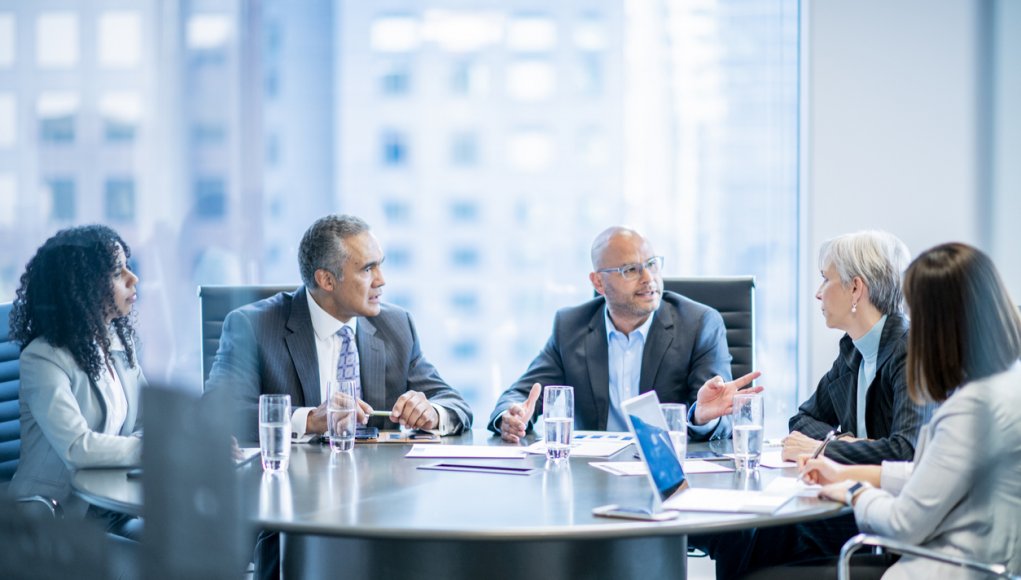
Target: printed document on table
(585, 447)
(638, 468)
(425, 451)
(778, 492)
(772, 459)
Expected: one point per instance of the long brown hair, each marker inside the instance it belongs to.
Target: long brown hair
(964, 326)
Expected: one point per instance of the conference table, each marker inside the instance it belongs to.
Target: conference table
(374, 513)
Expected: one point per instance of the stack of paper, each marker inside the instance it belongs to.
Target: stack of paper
(420, 451)
(638, 468)
(586, 447)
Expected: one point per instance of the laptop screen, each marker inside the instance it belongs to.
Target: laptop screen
(646, 420)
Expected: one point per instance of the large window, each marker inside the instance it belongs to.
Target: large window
(487, 144)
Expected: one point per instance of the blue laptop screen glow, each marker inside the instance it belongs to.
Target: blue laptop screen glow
(658, 451)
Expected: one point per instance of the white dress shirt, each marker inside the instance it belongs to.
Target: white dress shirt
(328, 344)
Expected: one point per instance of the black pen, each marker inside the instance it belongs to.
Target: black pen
(818, 450)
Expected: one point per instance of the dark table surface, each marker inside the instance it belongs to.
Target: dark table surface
(375, 492)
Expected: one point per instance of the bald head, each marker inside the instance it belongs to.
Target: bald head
(630, 300)
(613, 237)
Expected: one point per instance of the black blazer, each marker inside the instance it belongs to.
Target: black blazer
(892, 418)
(686, 346)
(269, 347)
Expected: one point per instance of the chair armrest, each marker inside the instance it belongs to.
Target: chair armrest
(51, 505)
(861, 540)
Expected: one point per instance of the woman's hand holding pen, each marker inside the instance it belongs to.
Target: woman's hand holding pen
(820, 470)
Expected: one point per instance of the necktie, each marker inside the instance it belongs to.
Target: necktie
(347, 362)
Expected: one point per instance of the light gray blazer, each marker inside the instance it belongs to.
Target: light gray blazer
(62, 417)
(963, 494)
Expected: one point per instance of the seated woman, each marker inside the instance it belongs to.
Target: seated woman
(80, 378)
(960, 494)
(864, 394)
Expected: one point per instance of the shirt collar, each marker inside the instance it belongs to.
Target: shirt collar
(642, 330)
(868, 345)
(323, 323)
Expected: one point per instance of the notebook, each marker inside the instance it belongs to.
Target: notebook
(670, 486)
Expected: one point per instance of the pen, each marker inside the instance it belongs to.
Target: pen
(822, 446)
(818, 450)
(379, 414)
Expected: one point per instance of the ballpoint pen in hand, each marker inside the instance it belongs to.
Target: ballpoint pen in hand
(818, 450)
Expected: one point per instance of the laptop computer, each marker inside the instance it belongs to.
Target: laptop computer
(665, 474)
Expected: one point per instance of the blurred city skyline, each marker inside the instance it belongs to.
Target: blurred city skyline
(486, 143)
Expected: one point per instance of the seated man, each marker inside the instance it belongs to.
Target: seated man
(631, 339)
(334, 327)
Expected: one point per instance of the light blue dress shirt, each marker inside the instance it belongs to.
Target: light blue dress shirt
(624, 357)
(868, 346)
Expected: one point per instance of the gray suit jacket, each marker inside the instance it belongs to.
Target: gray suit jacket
(686, 346)
(62, 416)
(963, 495)
(269, 347)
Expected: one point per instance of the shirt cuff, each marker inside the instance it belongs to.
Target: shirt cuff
(446, 421)
(700, 432)
(299, 418)
(893, 475)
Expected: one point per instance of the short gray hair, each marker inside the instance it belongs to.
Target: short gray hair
(321, 249)
(878, 258)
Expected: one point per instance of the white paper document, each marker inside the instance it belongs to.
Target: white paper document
(774, 460)
(585, 447)
(424, 451)
(778, 492)
(725, 500)
(638, 468)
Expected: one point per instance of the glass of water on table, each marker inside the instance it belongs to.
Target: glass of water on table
(341, 415)
(275, 431)
(676, 417)
(747, 423)
(558, 418)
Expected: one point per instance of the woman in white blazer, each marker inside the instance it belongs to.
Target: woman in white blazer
(80, 378)
(962, 493)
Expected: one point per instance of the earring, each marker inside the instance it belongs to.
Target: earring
(854, 308)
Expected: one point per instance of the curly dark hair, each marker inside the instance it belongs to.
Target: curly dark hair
(66, 297)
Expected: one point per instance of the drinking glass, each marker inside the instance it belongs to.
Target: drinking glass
(275, 431)
(341, 415)
(676, 416)
(558, 417)
(747, 423)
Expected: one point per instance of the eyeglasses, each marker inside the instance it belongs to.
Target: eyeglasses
(634, 271)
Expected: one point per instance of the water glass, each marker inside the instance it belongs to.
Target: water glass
(747, 423)
(341, 415)
(275, 431)
(676, 417)
(558, 417)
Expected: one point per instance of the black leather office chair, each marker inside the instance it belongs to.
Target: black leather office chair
(10, 427)
(10, 413)
(734, 298)
(215, 302)
(965, 564)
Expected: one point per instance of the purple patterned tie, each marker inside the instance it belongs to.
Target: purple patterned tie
(347, 362)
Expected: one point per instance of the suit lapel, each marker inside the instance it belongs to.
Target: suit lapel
(372, 364)
(852, 358)
(596, 355)
(302, 347)
(656, 345)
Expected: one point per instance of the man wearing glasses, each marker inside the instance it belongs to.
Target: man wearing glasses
(630, 339)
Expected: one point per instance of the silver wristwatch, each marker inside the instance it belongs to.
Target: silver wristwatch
(849, 495)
